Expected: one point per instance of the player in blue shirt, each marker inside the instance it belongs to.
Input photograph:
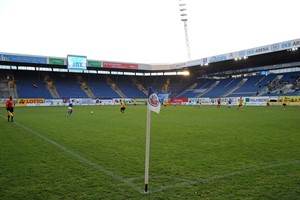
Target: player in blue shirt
(70, 107)
(229, 104)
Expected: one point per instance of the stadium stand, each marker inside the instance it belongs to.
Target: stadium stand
(178, 84)
(257, 85)
(100, 87)
(127, 86)
(195, 89)
(4, 91)
(67, 85)
(220, 89)
(30, 85)
(165, 84)
(287, 84)
(156, 82)
(49, 85)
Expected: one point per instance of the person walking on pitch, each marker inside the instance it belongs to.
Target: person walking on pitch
(10, 109)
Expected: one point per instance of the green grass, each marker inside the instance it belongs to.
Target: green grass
(205, 153)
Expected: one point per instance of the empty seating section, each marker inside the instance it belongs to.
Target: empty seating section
(266, 79)
(172, 85)
(250, 85)
(31, 85)
(291, 77)
(220, 89)
(99, 87)
(67, 85)
(128, 88)
(157, 83)
(249, 88)
(178, 84)
(194, 91)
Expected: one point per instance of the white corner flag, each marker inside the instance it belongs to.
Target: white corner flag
(153, 101)
(153, 104)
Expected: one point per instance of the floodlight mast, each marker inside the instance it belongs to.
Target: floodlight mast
(184, 19)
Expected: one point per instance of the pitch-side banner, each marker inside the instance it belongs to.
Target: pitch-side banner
(179, 100)
(31, 101)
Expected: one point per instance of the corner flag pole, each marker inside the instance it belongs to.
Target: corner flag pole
(147, 149)
(153, 104)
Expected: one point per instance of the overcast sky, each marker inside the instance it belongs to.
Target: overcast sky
(143, 31)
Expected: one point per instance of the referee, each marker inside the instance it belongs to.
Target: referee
(10, 109)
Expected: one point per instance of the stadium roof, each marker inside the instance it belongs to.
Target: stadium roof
(274, 56)
(273, 60)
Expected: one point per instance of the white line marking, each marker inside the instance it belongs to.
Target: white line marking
(238, 172)
(82, 159)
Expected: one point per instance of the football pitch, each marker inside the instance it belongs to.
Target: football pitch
(206, 153)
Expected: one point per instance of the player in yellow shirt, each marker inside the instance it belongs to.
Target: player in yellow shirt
(199, 103)
(240, 103)
(284, 102)
(268, 103)
(122, 109)
(165, 103)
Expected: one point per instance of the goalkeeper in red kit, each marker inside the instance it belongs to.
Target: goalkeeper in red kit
(10, 109)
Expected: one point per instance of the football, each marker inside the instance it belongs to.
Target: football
(92, 112)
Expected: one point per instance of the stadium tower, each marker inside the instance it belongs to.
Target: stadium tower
(184, 19)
